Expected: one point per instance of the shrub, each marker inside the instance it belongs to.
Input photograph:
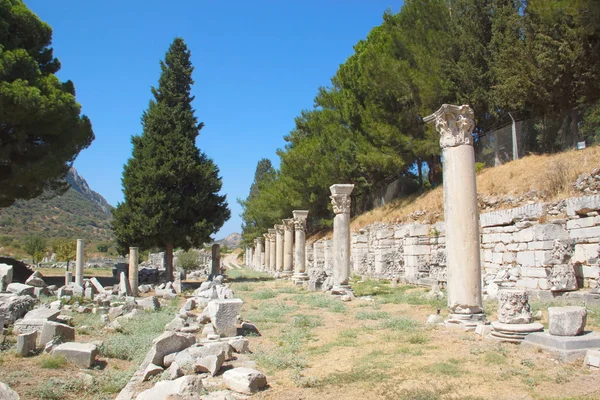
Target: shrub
(52, 362)
(188, 260)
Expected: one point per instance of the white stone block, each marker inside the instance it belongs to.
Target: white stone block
(581, 223)
(542, 258)
(224, 315)
(566, 321)
(526, 258)
(419, 229)
(582, 205)
(512, 247)
(525, 235)
(590, 271)
(500, 248)
(497, 258)
(549, 232)
(544, 284)
(81, 354)
(527, 283)
(586, 253)
(488, 256)
(541, 245)
(585, 233)
(509, 257)
(535, 272)
(506, 217)
(244, 380)
(592, 359)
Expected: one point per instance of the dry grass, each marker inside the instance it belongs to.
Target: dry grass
(549, 175)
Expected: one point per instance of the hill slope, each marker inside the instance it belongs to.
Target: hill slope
(80, 212)
(232, 241)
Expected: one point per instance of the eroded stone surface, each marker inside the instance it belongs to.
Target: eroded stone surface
(6, 393)
(244, 380)
(513, 307)
(170, 342)
(81, 354)
(184, 388)
(211, 364)
(26, 343)
(224, 315)
(566, 321)
(52, 329)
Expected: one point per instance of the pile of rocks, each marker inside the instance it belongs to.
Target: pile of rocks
(198, 344)
(588, 183)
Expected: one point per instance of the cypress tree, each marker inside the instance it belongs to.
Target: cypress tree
(171, 187)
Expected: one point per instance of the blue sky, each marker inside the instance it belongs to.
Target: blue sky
(257, 65)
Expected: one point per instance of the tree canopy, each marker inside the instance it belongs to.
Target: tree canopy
(535, 59)
(41, 128)
(171, 188)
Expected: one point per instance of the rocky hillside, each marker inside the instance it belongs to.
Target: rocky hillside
(232, 241)
(80, 212)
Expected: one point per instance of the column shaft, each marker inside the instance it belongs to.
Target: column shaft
(279, 248)
(79, 263)
(288, 246)
(133, 270)
(340, 198)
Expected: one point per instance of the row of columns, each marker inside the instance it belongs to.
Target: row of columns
(284, 249)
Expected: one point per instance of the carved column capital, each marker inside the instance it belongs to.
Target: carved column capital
(279, 229)
(288, 224)
(299, 224)
(454, 123)
(259, 240)
(340, 198)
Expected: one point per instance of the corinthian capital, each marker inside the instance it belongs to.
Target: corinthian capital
(340, 198)
(288, 224)
(279, 229)
(454, 123)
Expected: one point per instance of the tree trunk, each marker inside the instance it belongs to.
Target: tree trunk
(169, 261)
(575, 128)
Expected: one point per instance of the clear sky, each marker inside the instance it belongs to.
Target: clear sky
(257, 65)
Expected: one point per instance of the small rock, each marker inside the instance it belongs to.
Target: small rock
(244, 380)
(345, 298)
(240, 345)
(26, 343)
(186, 387)
(434, 319)
(6, 393)
(219, 395)
(151, 370)
(168, 360)
(211, 364)
(86, 379)
(174, 371)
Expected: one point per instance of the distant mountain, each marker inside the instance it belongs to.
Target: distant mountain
(79, 213)
(232, 241)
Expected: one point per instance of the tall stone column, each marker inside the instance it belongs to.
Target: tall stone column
(279, 248)
(79, 263)
(288, 247)
(455, 125)
(216, 260)
(133, 270)
(272, 249)
(259, 253)
(300, 274)
(267, 251)
(340, 199)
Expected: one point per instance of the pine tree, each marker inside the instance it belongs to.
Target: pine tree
(171, 188)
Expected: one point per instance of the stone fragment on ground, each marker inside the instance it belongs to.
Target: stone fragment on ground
(211, 363)
(152, 370)
(81, 354)
(219, 395)
(6, 276)
(20, 289)
(240, 345)
(185, 388)
(26, 343)
(174, 371)
(36, 279)
(6, 393)
(566, 321)
(150, 303)
(52, 330)
(169, 342)
(592, 359)
(224, 315)
(244, 380)
(34, 319)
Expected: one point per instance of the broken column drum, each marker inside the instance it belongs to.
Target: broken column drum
(216, 260)
(455, 125)
(79, 263)
(279, 248)
(272, 249)
(288, 246)
(133, 270)
(300, 248)
(340, 199)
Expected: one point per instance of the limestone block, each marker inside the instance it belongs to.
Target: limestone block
(188, 356)
(581, 223)
(97, 285)
(6, 276)
(6, 393)
(36, 280)
(34, 319)
(150, 371)
(591, 271)
(219, 395)
(592, 359)
(150, 303)
(535, 272)
(81, 354)
(224, 315)
(527, 283)
(488, 256)
(524, 235)
(26, 343)
(167, 343)
(20, 289)
(526, 258)
(585, 233)
(174, 371)
(586, 253)
(507, 217)
(566, 321)
(543, 257)
(53, 330)
(543, 232)
(211, 364)
(244, 380)
(544, 284)
(419, 229)
(582, 205)
(540, 245)
(509, 258)
(240, 345)
(186, 387)
(563, 278)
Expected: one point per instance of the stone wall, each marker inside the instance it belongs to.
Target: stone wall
(518, 248)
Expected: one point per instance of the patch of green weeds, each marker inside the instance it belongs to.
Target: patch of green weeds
(265, 294)
(52, 389)
(112, 381)
(348, 333)
(136, 336)
(494, 358)
(398, 324)
(356, 374)
(409, 351)
(271, 312)
(412, 296)
(527, 363)
(306, 321)
(320, 301)
(391, 391)
(247, 275)
(372, 315)
(371, 287)
(418, 338)
(243, 287)
(52, 362)
(288, 290)
(448, 368)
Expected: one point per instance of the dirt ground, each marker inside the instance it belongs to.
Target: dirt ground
(380, 349)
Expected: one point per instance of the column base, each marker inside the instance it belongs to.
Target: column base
(300, 278)
(342, 290)
(467, 322)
